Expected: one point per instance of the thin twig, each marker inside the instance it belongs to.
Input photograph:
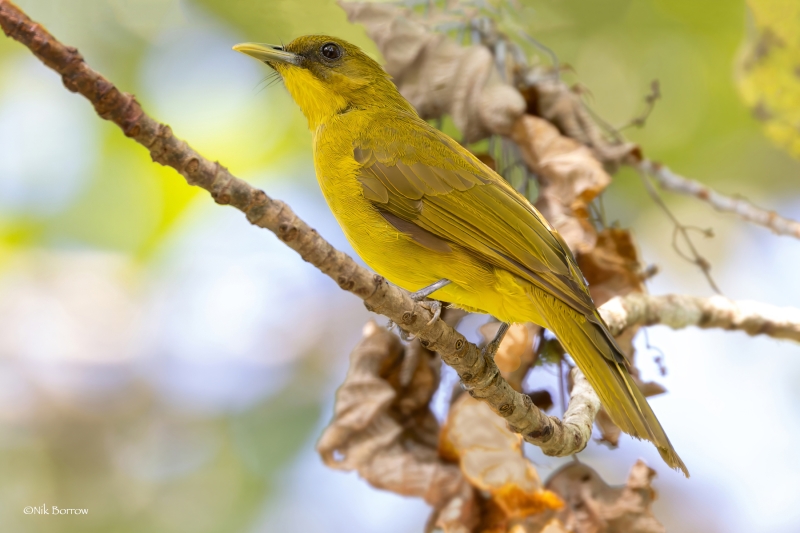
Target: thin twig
(670, 181)
(650, 104)
(682, 230)
(478, 373)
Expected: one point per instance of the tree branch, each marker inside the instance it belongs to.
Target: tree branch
(479, 374)
(673, 182)
(679, 311)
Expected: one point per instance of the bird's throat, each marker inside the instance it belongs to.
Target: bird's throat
(315, 99)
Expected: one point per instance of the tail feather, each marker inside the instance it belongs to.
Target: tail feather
(597, 355)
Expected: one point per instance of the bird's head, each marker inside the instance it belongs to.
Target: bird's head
(327, 76)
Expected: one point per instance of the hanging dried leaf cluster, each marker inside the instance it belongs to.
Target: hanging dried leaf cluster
(472, 471)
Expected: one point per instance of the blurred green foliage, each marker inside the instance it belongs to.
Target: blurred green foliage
(769, 70)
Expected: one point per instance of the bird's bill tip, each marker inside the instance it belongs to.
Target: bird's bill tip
(268, 53)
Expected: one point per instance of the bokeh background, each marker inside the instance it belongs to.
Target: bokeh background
(169, 367)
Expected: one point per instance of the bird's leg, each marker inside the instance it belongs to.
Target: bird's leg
(491, 348)
(434, 306)
(430, 289)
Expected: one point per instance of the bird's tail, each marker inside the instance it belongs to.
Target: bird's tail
(599, 357)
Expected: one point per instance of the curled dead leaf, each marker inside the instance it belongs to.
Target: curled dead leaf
(382, 427)
(613, 267)
(609, 431)
(592, 506)
(490, 456)
(487, 160)
(541, 399)
(569, 178)
(553, 100)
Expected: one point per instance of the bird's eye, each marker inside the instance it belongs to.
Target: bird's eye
(331, 51)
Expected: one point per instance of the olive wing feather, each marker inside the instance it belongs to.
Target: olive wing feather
(438, 193)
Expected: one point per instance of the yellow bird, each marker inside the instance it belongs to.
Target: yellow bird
(427, 215)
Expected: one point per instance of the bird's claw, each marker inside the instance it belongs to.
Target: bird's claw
(490, 350)
(435, 307)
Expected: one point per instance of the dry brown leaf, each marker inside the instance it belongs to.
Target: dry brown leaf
(552, 99)
(612, 268)
(486, 159)
(385, 430)
(592, 506)
(609, 431)
(491, 458)
(437, 75)
(459, 515)
(569, 177)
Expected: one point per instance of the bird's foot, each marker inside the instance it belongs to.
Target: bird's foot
(491, 349)
(434, 306)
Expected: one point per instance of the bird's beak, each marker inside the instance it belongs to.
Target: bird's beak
(268, 53)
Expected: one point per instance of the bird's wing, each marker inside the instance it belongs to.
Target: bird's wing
(429, 187)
